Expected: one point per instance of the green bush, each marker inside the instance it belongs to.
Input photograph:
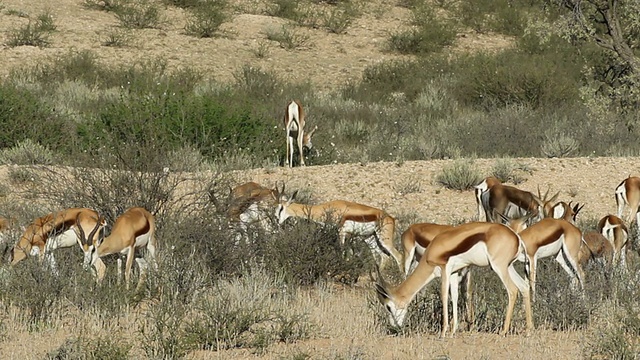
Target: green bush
(139, 14)
(79, 348)
(27, 152)
(459, 175)
(513, 78)
(430, 34)
(206, 17)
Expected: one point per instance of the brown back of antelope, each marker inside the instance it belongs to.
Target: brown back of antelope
(59, 229)
(595, 246)
(499, 197)
(134, 229)
(615, 230)
(247, 194)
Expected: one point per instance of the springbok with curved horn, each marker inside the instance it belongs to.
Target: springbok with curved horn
(134, 229)
(476, 243)
(374, 224)
(628, 198)
(563, 210)
(614, 229)
(57, 230)
(294, 122)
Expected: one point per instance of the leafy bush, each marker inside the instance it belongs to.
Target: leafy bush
(27, 152)
(139, 14)
(459, 175)
(430, 34)
(78, 348)
(31, 34)
(513, 78)
(206, 17)
(559, 145)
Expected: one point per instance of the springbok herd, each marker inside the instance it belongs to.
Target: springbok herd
(518, 226)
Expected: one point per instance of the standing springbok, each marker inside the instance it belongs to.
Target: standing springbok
(415, 240)
(132, 230)
(552, 237)
(57, 230)
(476, 243)
(628, 198)
(353, 219)
(294, 122)
(511, 202)
(595, 247)
(617, 233)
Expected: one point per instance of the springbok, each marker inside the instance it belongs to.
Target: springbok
(294, 122)
(415, 240)
(353, 219)
(476, 243)
(614, 229)
(552, 237)
(628, 198)
(511, 202)
(57, 230)
(134, 229)
(248, 205)
(595, 247)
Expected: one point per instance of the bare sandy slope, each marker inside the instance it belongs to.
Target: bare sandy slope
(327, 60)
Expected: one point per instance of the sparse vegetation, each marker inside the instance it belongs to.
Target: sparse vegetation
(461, 174)
(139, 14)
(206, 17)
(140, 133)
(34, 33)
(288, 37)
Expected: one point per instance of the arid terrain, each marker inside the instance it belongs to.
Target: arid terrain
(406, 190)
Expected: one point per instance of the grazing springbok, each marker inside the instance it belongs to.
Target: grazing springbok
(415, 240)
(628, 198)
(552, 237)
(251, 203)
(614, 229)
(56, 230)
(511, 202)
(134, 229)
(374, 224)
(482, 189)
(476, 243)
(294, 122)
(595, 247)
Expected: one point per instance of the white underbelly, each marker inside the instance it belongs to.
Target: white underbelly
(550, 249)
(419, 251)
(477, 255)
(141, 241)
(66, 239)
(360, 228)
